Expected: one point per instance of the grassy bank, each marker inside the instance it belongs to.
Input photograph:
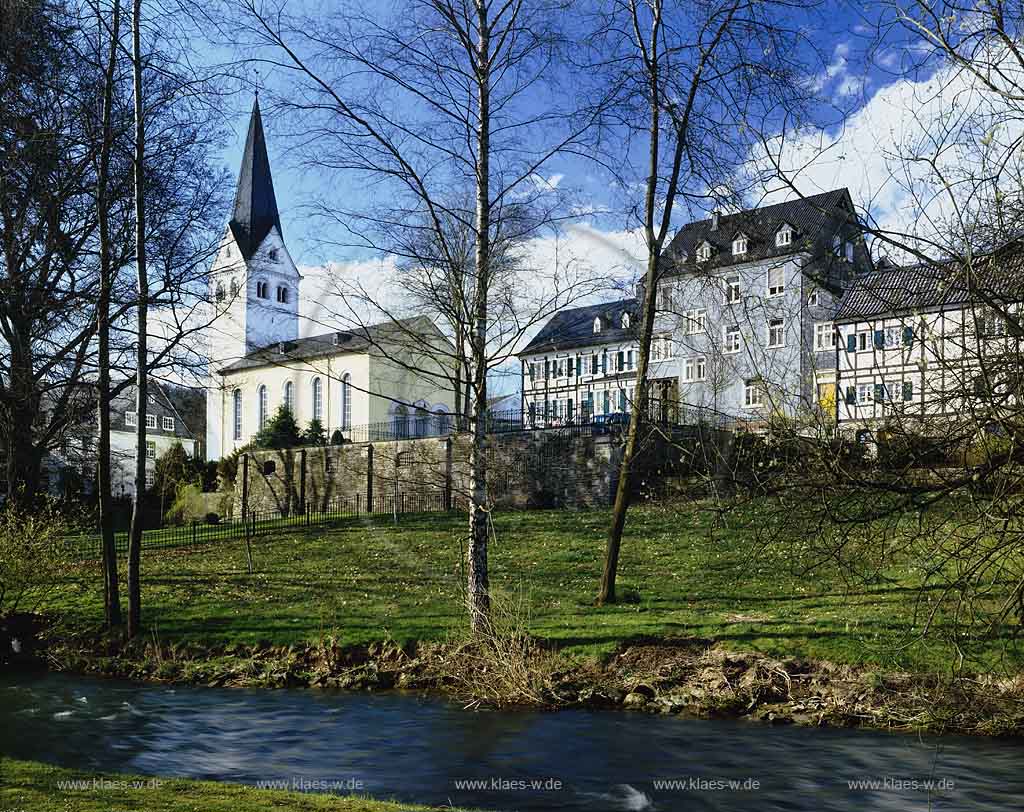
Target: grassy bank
(28, 786)
(366, 581)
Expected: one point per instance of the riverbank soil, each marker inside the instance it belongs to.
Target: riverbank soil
(710, 622)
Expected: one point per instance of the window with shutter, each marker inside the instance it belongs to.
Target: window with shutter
(851, 396)
(879, 339)
(851, 343)
(908, 391)
(879, 392)
(908, 336)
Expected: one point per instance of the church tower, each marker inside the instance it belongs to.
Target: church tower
(254, 284)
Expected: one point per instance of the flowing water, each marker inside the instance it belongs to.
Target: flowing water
(412, 748)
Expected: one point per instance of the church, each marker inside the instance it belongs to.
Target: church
(398, 374)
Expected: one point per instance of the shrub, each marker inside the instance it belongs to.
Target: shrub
(212, 518)
(34, 557)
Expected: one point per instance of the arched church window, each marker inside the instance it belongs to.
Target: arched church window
(318, 399)
(282, 294)
(234, 287)
(261, 290)
(289, 396)
(237, 413)
(220, 291)
(346, 402)
(264, 406)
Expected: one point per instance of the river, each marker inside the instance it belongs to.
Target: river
(414, 748)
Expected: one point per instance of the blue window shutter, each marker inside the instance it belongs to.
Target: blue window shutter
(604, 363)
(851, 343)
(908, 391)
(879, 340)
(579, 362)
(569, 404)
(547, 368)
(851, 395)
(908, 336)
(879, 393)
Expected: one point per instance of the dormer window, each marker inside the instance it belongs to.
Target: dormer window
(739, 245)
(261, 290)
(625, 321)
(282, 294)
(784, 236)
(704, 251)
(597, 324)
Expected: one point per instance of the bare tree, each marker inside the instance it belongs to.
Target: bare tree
(695, 81)
(447, 111)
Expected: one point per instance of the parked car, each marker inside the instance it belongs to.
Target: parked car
(607, 423)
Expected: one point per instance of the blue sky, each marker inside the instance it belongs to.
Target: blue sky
(844, 79)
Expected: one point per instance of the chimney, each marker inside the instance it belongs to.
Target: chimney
(714, 220)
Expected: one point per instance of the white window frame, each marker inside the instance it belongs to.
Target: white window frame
(346, 401)
(776, 333)
(865, 341)
(730, 347)
(263, 405)
(865, 394)
(625, 321)
(696, 321)
(849, 251)
(167, 423)
(318, 399)
(740, 245)
(150, 421)
(784, 237)
(812, 297)
(704, 251)
(753, 394)
(150, 449)
(150, 479)
(131, 419)
(597, 324)
(780, 288)
(733, 289)
(825, 336)
(695, 369)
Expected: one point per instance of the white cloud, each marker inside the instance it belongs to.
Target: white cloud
(889, 152)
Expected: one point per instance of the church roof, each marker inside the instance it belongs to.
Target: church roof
(399, 334)
(255, 211)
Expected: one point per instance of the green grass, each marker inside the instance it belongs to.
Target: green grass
(364, 581)
(28, 786)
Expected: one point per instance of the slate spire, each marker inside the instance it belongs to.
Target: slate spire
(255, 209)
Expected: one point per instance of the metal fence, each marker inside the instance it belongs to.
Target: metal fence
(427, 425)
(264, 522)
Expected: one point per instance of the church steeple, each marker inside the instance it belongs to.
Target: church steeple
(255, 211)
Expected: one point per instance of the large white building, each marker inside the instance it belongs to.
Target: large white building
(393, 374)
(743, 330)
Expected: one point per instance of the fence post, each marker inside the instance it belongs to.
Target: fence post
(448, 474)
(357, 505)
(302, 480)
(309, 516)
(245, 486)
(369, 479)
(194, 523)
(248, 544)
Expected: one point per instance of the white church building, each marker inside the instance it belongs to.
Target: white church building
(396, 374)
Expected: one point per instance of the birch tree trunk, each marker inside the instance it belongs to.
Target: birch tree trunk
(135, 537)
(478, 588)
(111, 586)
